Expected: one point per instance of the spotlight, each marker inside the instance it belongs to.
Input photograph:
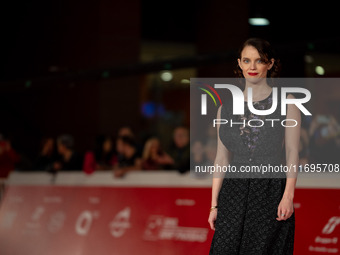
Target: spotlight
(166, 76)
(258, 21)
(185, 81)
(319, 70)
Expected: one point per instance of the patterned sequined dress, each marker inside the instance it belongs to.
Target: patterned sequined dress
(247, 207)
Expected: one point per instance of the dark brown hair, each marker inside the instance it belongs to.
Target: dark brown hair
(266, 53)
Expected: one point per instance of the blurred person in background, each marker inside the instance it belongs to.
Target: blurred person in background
(304, 145)
(198, 153)
(154, 157)
(8, 157)
(68, 159)
(203, 156)
(198, 158)
(180, 149)
(324, 132)
(102, 158)
(210, 152)
(119, 148)
(126, 131)
(128, 156)
(47, 155)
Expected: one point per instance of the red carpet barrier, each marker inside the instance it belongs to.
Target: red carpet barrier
(317, 221)
(40, 220)
(89, 220)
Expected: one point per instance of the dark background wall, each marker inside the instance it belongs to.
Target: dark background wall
(49, 38)
(75, 67)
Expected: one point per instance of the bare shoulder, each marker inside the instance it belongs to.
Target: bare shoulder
(293, 112)
(290, 96)
(219, 111)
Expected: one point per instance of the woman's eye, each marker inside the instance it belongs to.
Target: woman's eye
(259, 61)
(246, 61)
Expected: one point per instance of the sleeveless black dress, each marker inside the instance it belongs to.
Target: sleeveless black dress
(247, 207)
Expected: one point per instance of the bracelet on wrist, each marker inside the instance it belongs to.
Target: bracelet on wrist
(213, 208)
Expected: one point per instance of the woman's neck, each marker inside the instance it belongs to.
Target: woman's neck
(259, 91)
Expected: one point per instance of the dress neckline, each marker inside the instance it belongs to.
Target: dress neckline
(262, 99)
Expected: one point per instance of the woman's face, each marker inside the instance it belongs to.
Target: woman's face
(252, 65)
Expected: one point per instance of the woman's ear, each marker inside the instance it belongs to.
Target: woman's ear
(270, 65)
(239, 63)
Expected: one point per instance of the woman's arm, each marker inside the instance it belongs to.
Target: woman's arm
(292, 139)
(223, 157)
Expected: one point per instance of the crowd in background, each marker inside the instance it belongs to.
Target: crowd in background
(320, 140)
(319, 143)
(121, 155)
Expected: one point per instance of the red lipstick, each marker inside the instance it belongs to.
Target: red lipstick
(253, 74)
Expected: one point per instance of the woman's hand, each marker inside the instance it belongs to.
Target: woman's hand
(285, 207)
(212, 218)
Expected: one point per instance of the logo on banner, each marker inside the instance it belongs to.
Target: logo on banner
(84, 222)
(56, 221)
(159, 227)
(331, 224)
(120, 223)
(324, 244)
(37, 213)
(33, 226)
